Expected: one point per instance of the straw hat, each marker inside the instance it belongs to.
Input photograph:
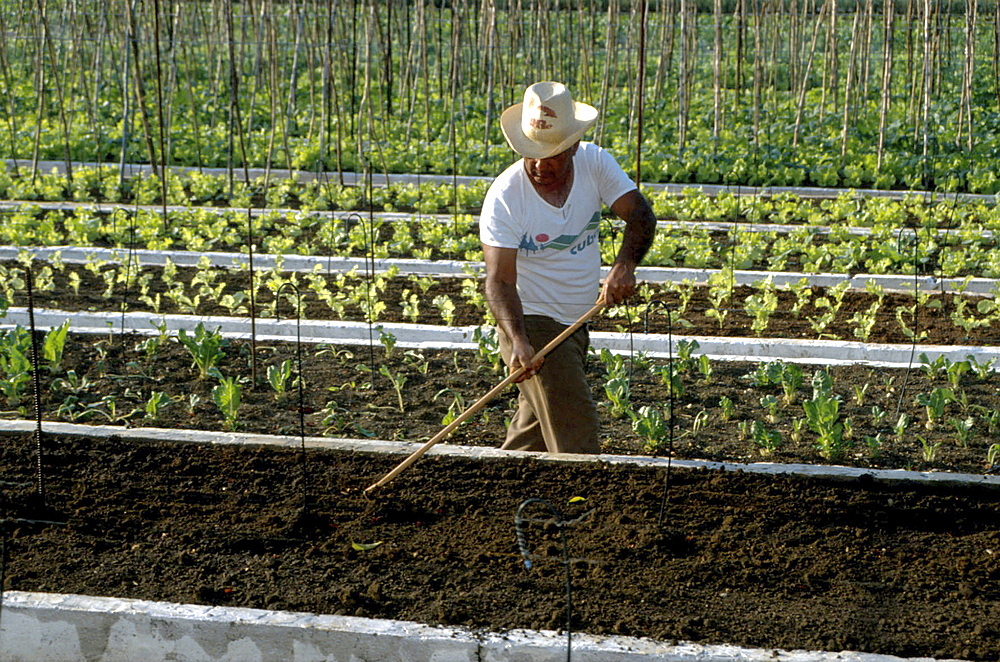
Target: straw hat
(547, 122)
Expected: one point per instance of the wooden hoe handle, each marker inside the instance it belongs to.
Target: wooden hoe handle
(482, 402)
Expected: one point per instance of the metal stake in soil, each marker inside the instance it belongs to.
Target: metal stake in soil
(36, 386)
(561, 523)
(301, 380)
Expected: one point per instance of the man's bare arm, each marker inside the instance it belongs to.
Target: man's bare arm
(505, 304)
(640, 229)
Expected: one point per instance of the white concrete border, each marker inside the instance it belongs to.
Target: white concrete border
(487, 453)
(36, 627)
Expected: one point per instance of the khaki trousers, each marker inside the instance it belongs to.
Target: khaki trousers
(555, 411)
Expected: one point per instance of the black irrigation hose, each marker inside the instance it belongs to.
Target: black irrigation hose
(301, 380)
(522, 543)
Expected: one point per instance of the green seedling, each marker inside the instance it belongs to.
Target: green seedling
(791, 381)
(767, 441)
(728, 408)
(618, 391)
(899, 429)
(823, 416)
(934, 404)
(965, 430)
(155, 404)
(993, 454)
(279, 376)
(398, 381)
(705, 368)
(652, 426)
(928, 449)
(205, 347)
(227, 396)
(456, 407)
(446, 307)
(54, 345)
(388, 341)
(770, 405)
(488, 347)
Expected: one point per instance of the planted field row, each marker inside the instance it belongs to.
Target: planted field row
(940, 414)
(718, 308)
(956, 245)
(192, 188)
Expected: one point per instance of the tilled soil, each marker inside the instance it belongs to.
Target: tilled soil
(809, 312)
(363, 392)
(776, 562)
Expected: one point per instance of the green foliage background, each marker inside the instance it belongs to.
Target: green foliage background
(417, 87)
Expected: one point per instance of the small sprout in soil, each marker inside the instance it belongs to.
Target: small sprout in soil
(993, 455)
(398, 381)
(388, 341)
(227, 396)
(928, 450)
(278, 377)
(728, 408)
(456, 407)
(767, 441)
(364, 547)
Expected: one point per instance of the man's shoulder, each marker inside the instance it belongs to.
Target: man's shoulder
(511, 172)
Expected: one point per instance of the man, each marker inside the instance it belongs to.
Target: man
(540, 228)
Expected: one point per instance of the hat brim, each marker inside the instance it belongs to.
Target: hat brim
(584, 117)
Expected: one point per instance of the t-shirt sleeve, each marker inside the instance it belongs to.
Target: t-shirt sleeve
(496, 223)
(612, 181)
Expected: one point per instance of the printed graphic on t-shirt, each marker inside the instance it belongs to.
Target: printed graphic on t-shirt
(575, 242)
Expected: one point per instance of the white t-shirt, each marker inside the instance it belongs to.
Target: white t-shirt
(558, 258)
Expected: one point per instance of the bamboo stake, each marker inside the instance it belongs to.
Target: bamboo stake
(888, 39)
(717, 70)
(483, 401)
(800, 106)
(60, 94)
(849, 86)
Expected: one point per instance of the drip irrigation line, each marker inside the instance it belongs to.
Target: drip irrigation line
(300, 379)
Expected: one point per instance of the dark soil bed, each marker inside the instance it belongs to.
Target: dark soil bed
(895, 318)
(774, 562)
(111, 379)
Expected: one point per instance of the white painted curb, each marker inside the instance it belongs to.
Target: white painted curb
(37, 627)
(486, 453)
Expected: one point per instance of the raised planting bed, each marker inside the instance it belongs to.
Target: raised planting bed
(931, 417)
(721, 308)
(772, 562)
